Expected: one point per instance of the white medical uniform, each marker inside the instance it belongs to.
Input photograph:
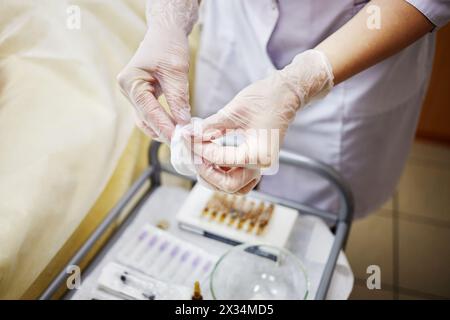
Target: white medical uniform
(363, 128)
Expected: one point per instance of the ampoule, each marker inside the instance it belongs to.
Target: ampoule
(255, 216)
(245, 214)
(265, 218)
(197, 295)
(221, 205)
(209, 205)
(217, 206)
(214, 206)
(237, 207)
(228, 204)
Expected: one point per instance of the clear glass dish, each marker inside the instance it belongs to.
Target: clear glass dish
(258, 271)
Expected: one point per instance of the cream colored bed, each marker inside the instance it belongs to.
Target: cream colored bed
(68, 147)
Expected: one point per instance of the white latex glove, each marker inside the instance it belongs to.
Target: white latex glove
(186, 162)
(161, 66)
(235, 180)
(268, 104)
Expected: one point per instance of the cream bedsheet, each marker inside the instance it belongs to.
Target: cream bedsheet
(63, 122)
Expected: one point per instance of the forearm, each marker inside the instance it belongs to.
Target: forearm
(173, 13)
(355, 47)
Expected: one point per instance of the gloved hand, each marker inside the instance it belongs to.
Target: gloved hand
(184, 159)
(262, 113)
(231, 180)
(161, 66)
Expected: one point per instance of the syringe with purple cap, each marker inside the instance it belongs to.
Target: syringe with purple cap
(141, 251)
(184, 276)
(165, 261)
(153, 255)
(202, 272)
(177, 265)
(130, 247)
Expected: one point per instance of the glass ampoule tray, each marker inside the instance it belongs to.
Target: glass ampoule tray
(235, 219)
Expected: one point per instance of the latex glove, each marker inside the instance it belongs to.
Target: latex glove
(185, 161)
(161, 66)
(262, 113)
(234, 180)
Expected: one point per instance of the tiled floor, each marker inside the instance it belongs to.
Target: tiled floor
(409, 238)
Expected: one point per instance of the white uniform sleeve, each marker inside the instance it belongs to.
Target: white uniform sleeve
(437, 11)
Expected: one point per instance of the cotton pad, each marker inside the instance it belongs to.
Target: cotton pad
(183, 159)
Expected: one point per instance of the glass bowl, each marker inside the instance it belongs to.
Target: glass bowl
(258, 271)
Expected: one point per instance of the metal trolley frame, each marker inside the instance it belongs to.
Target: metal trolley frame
(141, 190)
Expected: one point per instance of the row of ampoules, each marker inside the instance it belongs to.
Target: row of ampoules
(238, 212)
